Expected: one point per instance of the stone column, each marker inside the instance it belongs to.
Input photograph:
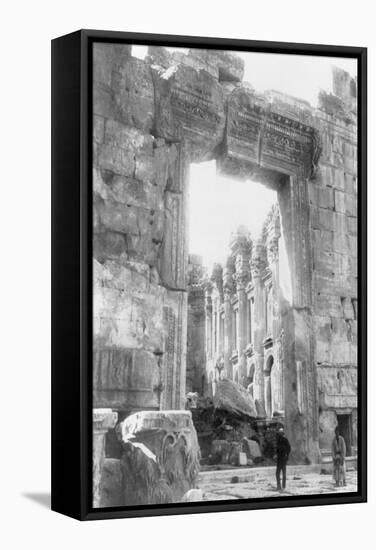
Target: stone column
(228, 290)
(257, 264)
(208, 323)
(217, 280)
(103, 420)
(241, 247)
(272, 245)
(241, 281)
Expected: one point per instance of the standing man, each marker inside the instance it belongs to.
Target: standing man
(338, 455)
(283, 451)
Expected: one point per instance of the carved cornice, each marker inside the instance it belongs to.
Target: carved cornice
(272, 130)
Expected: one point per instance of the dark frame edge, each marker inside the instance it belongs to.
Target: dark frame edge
(362, 267)
(65, 331)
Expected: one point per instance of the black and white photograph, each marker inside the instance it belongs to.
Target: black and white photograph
(225, 357)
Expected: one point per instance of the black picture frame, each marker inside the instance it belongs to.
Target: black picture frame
(72, 273)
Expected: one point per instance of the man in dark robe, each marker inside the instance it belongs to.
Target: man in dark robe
(283, 452)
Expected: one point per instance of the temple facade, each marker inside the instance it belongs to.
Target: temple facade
(237, 314)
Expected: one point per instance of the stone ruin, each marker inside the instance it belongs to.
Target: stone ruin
(151, 119)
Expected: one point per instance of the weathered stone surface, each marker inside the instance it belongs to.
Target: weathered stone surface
(103, 420)
(133, 95)
(190, 108)
(128, 307)
(111, 483)
(151, 118)
(107, 59)
(223, 65)
(321, 196)
(160, 461)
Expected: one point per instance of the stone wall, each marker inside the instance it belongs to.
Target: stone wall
(333, 206)
(139, 210)
(152, 118)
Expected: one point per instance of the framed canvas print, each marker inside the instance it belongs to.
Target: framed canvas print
(209, 274)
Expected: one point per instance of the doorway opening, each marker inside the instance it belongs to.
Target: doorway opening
(238, 277)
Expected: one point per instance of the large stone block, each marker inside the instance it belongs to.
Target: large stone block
(102, 102)
(128, 307)
(333, 262)
(346, 203)
(121, 146)
(127, 191)
(321, 196)
(328, 220)
(108, 245)
(161, 457)
(108, 58)
(339, 284)
(328, 305)
(126, 379)
(337, 386)
(190, 106)
(133, 94)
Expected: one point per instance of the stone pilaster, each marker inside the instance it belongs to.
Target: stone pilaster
(103, 420)
(208, 318)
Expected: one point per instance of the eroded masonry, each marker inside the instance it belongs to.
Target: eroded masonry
(296, 359)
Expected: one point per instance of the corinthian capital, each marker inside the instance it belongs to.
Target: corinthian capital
(258, 259)
(228, 273)
(272, 250)
(241, 279)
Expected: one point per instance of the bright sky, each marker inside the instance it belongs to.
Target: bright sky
(218, 206)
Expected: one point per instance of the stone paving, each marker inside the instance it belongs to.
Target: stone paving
(265, 486)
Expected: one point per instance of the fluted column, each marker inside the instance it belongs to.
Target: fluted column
(272, 244)
(241, 247)
(228, 290)
(208, 319)
(257, 264)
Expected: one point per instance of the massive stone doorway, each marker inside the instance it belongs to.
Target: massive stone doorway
(152, 119)
(287, 336)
